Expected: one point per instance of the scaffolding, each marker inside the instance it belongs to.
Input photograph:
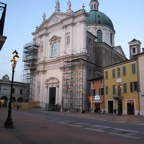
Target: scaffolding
(30, 56)
(73, 84)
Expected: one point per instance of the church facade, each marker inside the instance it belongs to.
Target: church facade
(68, 49)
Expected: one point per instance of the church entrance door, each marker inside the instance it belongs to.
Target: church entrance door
(52, 97)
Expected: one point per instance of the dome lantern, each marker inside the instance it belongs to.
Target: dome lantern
(94, 4)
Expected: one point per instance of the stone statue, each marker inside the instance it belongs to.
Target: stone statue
(44, 17)
(69, 5)
(57, 6)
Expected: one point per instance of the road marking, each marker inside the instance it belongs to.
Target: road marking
(123, 135)
(125, 130)
(97, 130)
(100, 126)
(74, 125)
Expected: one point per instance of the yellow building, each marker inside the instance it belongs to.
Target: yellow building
(121, 88)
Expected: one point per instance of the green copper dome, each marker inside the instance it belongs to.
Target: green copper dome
(96, 17)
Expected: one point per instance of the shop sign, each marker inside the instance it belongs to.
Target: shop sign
(97, 97)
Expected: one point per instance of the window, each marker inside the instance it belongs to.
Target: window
(20, 91)
(101, 81)
(133, 86)
(118, 72)
(93, 92)
(106, 75)
(13, 90)
(114, 89)
(106, 91)
(94, 6)
(99, 36)
(133, 50)
(113, 73)
(124, 88)
(133, 69)
(111, 38)
(54, 50)
(93, 83)
(124, 70)
(101, 91)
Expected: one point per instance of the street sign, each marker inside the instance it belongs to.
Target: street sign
(119, 80)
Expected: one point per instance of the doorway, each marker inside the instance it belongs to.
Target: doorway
(97, 107)
(130, 107)
(52, 97)
(110, 106)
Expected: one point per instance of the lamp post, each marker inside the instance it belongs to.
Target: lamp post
(9, 123)
(119, 86)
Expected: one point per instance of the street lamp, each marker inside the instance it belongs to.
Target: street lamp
(9, 123)
(119, 87)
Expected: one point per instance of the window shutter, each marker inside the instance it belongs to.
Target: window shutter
(131, 86)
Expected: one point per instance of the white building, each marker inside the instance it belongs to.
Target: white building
(20, 92)
(69, 48)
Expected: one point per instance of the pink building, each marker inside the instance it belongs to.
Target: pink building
(96, 98)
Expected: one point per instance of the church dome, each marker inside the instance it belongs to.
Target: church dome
(96, 17)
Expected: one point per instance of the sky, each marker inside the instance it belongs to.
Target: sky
(23, 16)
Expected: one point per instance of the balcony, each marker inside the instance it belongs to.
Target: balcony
(115, 96)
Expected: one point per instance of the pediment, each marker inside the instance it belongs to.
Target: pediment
(54, 38)
(56, 18)
(53, 19)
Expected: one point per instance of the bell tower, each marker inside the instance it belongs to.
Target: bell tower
(134, 47)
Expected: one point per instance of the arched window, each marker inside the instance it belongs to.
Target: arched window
(111, 41)
(134, 50)
(54, 50)
(95, 6)
(99, 36)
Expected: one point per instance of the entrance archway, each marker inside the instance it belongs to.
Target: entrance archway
(52, 85)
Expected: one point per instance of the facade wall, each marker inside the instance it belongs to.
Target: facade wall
(141, 82)
(50, 67)
(21, 91)
(105, 33)
(128, 96)
(76, 31)
(96, 98)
